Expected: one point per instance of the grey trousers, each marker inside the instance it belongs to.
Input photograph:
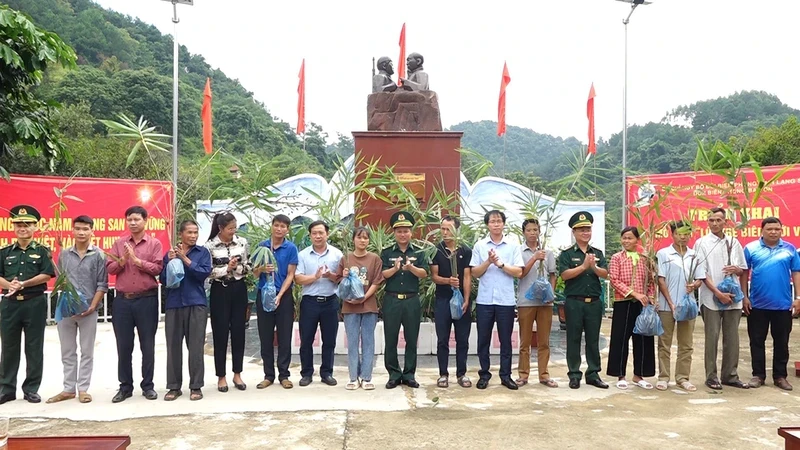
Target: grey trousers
(188, 322)
(69, 329)
(726, 321)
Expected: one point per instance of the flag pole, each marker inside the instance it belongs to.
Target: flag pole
(504, 155)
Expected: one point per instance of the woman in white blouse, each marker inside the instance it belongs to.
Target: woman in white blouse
(228, 302)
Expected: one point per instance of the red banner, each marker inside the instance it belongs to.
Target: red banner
(104, 200)
(689, 196)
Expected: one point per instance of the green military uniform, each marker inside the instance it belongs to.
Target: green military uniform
(583, 308)
(23, 310)
(401, 304)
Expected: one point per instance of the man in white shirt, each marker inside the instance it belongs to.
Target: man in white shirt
(723, 256)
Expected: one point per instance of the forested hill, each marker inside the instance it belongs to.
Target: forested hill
(125, 66)
(666, 146)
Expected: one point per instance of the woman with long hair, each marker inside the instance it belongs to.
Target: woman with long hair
(230, 264)
(361, 314)
(633, 280)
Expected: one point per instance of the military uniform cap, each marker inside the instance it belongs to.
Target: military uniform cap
(24, 213)
(401, 219)
(581, 219)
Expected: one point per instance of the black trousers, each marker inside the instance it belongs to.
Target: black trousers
(486, 317)
(324, 314)
(444, 323)
(139, 314)
(644, 355)
(759, 322)
(228, 306)
(281, 321)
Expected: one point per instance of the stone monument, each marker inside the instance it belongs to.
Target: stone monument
(413, 108)
(404, 131)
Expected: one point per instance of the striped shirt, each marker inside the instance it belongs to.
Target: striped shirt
(221, 253)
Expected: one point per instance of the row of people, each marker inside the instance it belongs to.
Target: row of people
(136, 260)
(763, 272)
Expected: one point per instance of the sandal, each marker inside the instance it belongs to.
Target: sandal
(644, 384)
(368, 385)
(173, 394)
(521, 381)
(662, 386)
(196, 394)
(443, 382)
(351, 386)
(714, 384)
(464, 382)
(84, 397)
(286, 384)
(549, 383)
(686, 386)
(60, 397)
(622, 384)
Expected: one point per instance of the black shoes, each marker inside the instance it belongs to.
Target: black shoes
(574, 383)
(329, 380)
(412, 383)
(7, 398)
(598, 383)
(150, 394)
(31, 397)
(509, 383)
(391, 384)
(305, 381)
(240, 387)
(483, 383)
(121, 396)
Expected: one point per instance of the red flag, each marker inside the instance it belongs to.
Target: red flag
(590, 114)
(501, 104)
(301, 99)
(401, 65)
(205, 116)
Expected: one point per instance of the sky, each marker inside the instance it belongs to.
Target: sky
(679, 52)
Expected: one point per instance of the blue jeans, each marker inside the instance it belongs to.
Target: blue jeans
(486, 317)
(360, 326)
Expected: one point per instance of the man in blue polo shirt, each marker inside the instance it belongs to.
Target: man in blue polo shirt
(282, 318)
(773, 263)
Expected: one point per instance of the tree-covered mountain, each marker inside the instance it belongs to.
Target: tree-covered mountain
(125, 66)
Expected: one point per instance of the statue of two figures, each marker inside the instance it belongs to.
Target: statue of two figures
(417, 78)
(412, 106)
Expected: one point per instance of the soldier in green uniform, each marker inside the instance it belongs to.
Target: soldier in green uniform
(25, 268)
(581, 267)
(403, 266)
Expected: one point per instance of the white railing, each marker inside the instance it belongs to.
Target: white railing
(103, 310)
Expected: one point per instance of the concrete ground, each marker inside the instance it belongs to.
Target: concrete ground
(323, 417)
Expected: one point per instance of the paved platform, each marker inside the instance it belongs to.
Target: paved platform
(323, 417)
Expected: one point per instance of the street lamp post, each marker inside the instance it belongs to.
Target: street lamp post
(175, 51)
(625, 21)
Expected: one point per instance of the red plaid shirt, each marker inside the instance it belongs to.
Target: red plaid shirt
(621, 273)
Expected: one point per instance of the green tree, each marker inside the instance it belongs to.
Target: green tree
(25, 52)
(776, 145)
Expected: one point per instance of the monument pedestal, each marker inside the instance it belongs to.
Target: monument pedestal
(422, 160)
